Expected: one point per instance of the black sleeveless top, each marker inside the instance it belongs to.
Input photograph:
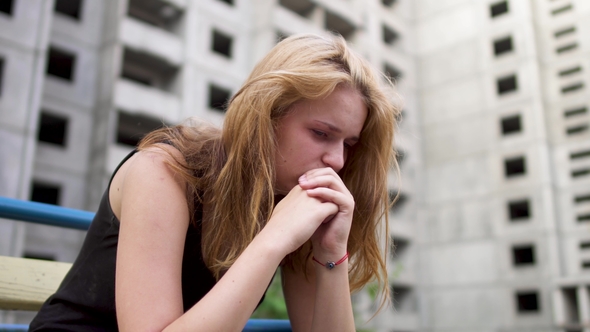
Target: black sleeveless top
(85, 300)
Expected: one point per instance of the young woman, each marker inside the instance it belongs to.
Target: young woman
(195, 223)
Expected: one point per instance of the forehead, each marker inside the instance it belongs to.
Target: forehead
(344, 108)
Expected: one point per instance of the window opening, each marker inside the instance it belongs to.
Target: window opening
(563, 32)
(45, 193)
(523, 255)
(580, 172)
(498, 8)
(503, 45)
(506, 84)
(575, 111)
(519, 210)
(574, 130)
(222, 44)
(580, 154)
(6, 6)
(527, 302)
(218, 97)
(582, 199)
(562, 10)
(570, 71)
(61, 63)
(52, 129)
(514, 167)
(572, 87)
(511, 124)
(389, 35)
(566, 48)
(70, 8)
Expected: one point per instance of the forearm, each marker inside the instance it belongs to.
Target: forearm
(333, 307)
(229, 305)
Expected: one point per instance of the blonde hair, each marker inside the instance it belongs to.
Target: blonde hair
(233, 170)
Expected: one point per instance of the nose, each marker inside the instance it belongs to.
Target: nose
(335, 157)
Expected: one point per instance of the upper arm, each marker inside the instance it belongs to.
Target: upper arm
(299, 291)
(154, 218)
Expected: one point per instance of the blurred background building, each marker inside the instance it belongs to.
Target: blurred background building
(492, 226)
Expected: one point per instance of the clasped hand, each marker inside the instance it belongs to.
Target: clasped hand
(320, 208)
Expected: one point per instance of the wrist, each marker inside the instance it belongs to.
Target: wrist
(330, 264)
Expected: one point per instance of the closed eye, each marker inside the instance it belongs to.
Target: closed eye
(319, 133)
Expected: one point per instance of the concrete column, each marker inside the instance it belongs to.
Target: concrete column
(558, 307)
(584, 307)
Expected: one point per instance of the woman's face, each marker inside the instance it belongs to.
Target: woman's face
(316, 134)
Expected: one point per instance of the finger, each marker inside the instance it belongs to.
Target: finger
(345, 202)
(322, 180)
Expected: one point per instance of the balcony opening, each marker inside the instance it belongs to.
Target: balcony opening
(570, 71)
(499, 8)
(338, 24)
(586, 264)
(580, 172)
(503, 45)
(511, 125)
(302, 8)
(523, 255)
(528, 302)
(6, 6)
(399, 203)
(575, 111)
(519, 210)
(389, 35)
(566, 48)
(399, 156)
(61, 64)
(1, 74)
(572, 87)
(398, 248)
(218, 97)
(506, 84)
(221, 43)
(583, 217)
(39, 255)
(52, 129)
(574, 130)
(388, 3)
(280, 35)
(45, 193)
(148, 70)
(161, 14)
(403, 299)
(69, 8)
(131, 128)
(229, 2)
(564, 32)
(392, 72)
(514, 167)
(570, 305)
(585, 245)
(582, 199)
(562, 10)
(580, 154)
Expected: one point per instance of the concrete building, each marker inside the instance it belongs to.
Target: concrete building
(491, 227)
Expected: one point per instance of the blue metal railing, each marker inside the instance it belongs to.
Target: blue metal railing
(47, 214)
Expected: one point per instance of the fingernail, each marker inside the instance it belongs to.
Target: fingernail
(303, 178)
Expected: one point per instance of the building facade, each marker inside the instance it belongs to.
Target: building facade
(491, 226)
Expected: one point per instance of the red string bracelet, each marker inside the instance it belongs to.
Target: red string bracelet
(331, 265)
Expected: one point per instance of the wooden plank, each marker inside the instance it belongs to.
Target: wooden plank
(26, 283)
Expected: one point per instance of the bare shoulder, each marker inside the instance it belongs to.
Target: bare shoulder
(151, 170)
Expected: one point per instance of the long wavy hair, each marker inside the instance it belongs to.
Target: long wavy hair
(232, 171)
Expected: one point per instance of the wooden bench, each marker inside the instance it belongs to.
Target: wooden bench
(26, 283)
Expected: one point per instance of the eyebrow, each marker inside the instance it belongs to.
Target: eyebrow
(336, 129)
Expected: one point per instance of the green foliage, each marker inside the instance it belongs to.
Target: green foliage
(273, 306)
